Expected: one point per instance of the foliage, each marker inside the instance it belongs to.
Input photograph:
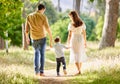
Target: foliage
(98, 7)
(17, 67)
(51, 13)
(90, 25)
(97, 32)
(50, 9)
(91, 0)
(101, 76)
(98, 28)
(17, 78)
(60, 29)
(118, 29)
(10, 19)
(101, 7)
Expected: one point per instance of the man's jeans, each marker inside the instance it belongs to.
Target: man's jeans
(39, 47)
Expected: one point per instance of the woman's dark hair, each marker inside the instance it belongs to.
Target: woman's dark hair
(41, 6)
(77, 21)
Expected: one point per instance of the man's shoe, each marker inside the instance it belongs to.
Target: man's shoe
(42, 74)
(37, 75)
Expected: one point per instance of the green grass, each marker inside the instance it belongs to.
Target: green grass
(16, 78)
(17, 66)
(111, 76)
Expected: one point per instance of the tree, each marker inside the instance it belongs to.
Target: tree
(2, 43)
(24, 43)
(76, 5)
(58, 6)
(50, 12)
(100, 6)
(10, 20)
(110, 24)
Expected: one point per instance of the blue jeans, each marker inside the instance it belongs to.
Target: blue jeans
(39, 58)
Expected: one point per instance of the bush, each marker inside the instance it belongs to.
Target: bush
(118, 29)
(99, 27)
(60, 29)
(90, 25)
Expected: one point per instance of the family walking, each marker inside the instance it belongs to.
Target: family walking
(37, 25)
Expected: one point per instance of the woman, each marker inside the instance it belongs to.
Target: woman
(77, 40)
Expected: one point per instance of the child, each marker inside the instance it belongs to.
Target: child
(59, 55)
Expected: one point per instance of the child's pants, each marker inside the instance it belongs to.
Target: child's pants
(59, 60)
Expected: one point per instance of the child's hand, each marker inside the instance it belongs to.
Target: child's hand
(48, 48)
(69, 47)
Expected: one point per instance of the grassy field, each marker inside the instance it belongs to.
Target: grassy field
(102, 67)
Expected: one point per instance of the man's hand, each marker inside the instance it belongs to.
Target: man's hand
(51, 43)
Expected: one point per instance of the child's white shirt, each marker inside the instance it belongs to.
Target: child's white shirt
(58, 47)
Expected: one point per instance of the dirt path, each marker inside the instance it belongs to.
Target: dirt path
(94, 64)
(51, 77)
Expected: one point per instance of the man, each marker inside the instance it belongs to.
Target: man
(37, 25)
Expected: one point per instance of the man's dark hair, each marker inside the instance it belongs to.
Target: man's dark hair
(41, 6)
(57, 39)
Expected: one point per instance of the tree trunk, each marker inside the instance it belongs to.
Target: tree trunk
(76, 5)
(24, 43)
(58, 6)
(110, 24)
(2, 43)
(25, 46)
(6, 42)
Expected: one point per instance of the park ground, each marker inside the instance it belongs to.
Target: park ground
(101, 67)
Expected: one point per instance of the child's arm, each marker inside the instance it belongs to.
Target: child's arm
(66, 47)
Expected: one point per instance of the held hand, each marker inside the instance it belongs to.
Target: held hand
(68, 44)
(68, 47)
(51, 45)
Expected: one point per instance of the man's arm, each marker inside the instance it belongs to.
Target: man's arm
(50, 35)
(48, 30)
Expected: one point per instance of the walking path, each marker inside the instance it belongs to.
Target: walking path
(93, 64)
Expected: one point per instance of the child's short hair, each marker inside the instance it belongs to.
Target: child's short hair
(57, 39)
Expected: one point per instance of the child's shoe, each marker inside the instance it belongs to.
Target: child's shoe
(58, 74)
(65, 72)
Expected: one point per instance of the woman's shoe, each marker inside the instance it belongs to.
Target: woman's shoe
(78, 73)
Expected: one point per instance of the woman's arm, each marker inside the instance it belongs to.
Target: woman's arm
(84, 36)
(69, 37)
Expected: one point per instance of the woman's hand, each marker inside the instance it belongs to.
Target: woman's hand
(85, 45)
